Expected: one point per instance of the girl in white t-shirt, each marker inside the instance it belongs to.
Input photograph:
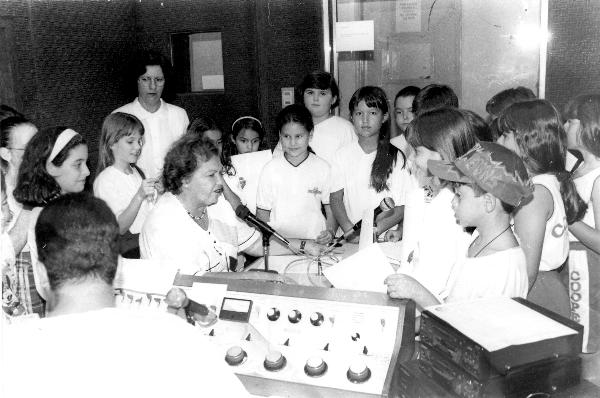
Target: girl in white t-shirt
(369, 170)
(320, 94)
(119, 182)
(582, 125)
(293, 187)
(432, 240)
(533, 129)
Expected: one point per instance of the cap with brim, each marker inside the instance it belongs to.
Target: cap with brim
(492, 167)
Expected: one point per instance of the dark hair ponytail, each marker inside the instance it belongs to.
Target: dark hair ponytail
(542, 143)
(385, 158)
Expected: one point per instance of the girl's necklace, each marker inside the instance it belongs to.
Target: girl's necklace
(490, 242)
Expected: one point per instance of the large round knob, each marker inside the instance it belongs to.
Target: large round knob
(358, 372)
(235, 355)
(274, 361)
(316, 318)
(315, 366)
(294, 316)
(273, 314)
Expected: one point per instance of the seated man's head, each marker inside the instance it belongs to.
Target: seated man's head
(488, 179)
(76, 237)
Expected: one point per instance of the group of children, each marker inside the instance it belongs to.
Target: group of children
(437, 164)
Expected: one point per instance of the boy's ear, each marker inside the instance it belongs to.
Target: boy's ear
(490, 202)
(5, 154)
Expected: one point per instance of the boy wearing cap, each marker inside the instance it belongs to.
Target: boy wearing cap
(489, 182)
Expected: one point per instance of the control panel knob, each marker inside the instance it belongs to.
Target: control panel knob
(294, 316)
(274, 361)
(358, 372)
(235, 355)
(316, 318)
(315, 366)
(273, 314)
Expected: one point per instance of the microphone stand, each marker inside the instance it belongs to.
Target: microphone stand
(266, 237)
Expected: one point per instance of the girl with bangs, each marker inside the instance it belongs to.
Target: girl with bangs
(120, 182)
(371, 169)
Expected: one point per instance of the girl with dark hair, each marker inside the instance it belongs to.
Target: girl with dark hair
(247, 135)
(371, 169)
(120, 182)
(293, 187)
(582, 126)
(320, 94)
(54, 163)
(432, 240)
(533, 130)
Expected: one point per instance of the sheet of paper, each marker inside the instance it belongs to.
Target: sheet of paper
(366, 229)
(511, 322)
(408, 15)
(248, 167)
(209, 294)
(144, 276)
(365, 270)
(213, 82)
(355, 36)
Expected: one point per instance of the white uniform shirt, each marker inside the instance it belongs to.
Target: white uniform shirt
(117, 189)
(585, 185)
(352, 173)
(556, 240)
(433, 241)
(293, 195)
(173, 239)
(161, 129)
(328, 137)
(42, 285)
(113, 353)
(503, 273)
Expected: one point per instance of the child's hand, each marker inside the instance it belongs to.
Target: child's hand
(393, 235)
(352, 236)
(324, 237)
(313, 249)
(399, 285)
(147, 189)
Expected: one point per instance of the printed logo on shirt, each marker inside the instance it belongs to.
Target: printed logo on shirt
(242, 182)
(560, 229)
(315, 191)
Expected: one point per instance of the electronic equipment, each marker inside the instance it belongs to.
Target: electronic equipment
(300, 341)
(482, 363)
(545, 376)
(412, 382)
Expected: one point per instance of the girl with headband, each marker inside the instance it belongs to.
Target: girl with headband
(54, 164)
(247, 135)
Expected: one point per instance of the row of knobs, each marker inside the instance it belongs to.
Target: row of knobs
(294, 316)
(358, 372)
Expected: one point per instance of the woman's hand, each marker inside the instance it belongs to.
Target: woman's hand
(324, 237)
(400, 285)
(352, 236)
(147, 189)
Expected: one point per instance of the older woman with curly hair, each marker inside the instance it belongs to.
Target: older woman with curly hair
(186, 230)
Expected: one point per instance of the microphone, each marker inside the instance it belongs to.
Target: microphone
(242, 212)
(385, 205)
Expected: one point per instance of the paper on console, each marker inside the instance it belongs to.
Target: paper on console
(365, 270)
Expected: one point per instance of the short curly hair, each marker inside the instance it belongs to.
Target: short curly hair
(35, 187)
(184, 157)
(76, 237)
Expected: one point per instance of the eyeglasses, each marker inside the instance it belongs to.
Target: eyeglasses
(159, 81)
